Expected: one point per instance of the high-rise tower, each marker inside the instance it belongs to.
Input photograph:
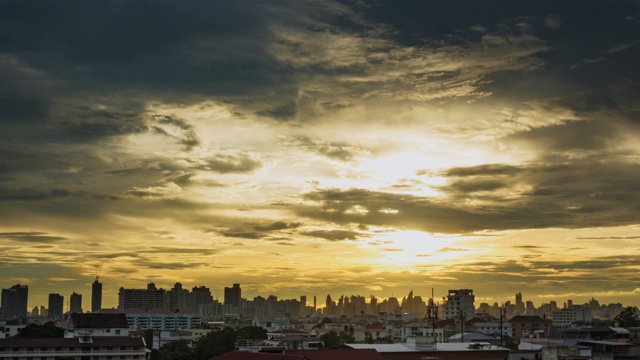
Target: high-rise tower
(14, 302)
(75, 305)
(233, 295)
(56, 306)
(96, 296)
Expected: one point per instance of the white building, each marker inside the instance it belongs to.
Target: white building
(419, 329)
(162, 319)
(457, 301)
(7, 331)
(96, 325)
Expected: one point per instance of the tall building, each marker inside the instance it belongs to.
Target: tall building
(233, 295)
(177, 298)
(200, 295)
(146, 299)
(14, 302)
(96, 296)
(459, 301)
(75, 303)
(520, 308)
(56, 306)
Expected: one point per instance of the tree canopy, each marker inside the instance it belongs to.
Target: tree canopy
(46, 330)
(628, 317)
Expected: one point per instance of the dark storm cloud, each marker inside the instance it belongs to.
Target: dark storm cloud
(250, 231)
(226, 164)
(583, 135)
(335, 235)
(487, 169)
(278, 225)
(142, 44)
(31, 237)
(242, 234)
(586, 193)
(188, 138)
(332, 150)
(88, 123)
(469, 186)
(169, 265)
(608, 238)
(30, 194)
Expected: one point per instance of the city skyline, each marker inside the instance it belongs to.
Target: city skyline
(221, 294)
(322, 147)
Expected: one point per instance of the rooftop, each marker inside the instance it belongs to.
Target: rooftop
(98, 321)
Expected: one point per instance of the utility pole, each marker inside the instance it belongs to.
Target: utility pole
(502, 314)
(461, 325)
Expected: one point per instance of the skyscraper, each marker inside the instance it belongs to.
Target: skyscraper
(14, 302)
(75, 301)
(200, 295)
(96, 296)
(233, 295)
(56, 306)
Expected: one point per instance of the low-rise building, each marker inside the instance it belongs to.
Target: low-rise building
(493, 328)
(528, 325)
(85, 347)
(162, 319)
(96, 324)
(293, 339)
(417, 348)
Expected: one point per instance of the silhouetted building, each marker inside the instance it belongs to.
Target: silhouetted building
(14, 302)
(96, 296)
(146, 299)
(56, 305)
(177, 298)
(75, 303)
(233, 295)
(200, 295)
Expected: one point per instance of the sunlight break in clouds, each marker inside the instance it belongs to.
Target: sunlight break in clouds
(365, 147)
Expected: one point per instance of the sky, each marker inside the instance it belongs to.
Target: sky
(322, 147)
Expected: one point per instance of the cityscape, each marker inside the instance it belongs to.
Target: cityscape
(320, 180)
(200, 300)
(159, 320)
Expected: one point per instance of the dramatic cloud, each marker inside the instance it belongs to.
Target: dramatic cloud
(361, 144)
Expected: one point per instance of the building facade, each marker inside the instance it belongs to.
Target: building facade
(56, 306)
(458, 301)
(75, 303)
(14, 302)
(96, 296)
(146, 299)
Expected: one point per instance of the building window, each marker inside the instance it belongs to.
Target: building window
(117, 332)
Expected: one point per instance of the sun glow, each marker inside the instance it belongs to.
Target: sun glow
(414, 247)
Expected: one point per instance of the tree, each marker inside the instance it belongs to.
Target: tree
(330, 339)
(148, 338)
(46, 330)
(509, 343)
(252, 332)
(628, 317)
(176, 350)
(215, 343)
